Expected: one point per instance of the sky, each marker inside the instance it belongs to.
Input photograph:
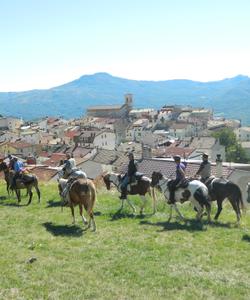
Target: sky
(46, 43)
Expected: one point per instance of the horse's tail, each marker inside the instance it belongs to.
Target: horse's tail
(241, 202)
(93, 194)
(239, 199)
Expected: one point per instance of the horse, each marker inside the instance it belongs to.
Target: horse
(141, 187)
(5, 169)
(195, 191)
(76, 173)
(220, 189)
(25, 181)
(81, 192)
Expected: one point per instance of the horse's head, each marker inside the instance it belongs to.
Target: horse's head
(3, 166)
(61, 185)
(106, 179)
(156, 177)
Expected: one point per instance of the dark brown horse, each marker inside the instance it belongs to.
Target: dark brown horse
(81, 192)
(26, 181)
(141, 188)
(220, 189)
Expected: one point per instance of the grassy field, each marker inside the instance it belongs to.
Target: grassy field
(43, 256)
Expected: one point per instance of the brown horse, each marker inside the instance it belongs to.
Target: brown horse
(141, 187)
(5, 169)
(81, 192)
(26, 181)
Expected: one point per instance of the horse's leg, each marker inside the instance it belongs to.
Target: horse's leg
(121, 208)
(30, 194)
(18, 195)
(131, 205)
(144, 201)
(170, 213)
(152, 195)
(236, 207)
(91, 219)
(177, 210)
(81, 214)
(73, 214)
(38, 193)
(219, 208)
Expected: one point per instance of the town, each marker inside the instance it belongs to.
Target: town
(100, 141)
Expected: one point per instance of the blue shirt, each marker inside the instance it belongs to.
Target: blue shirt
(18, 166)
(179, 166)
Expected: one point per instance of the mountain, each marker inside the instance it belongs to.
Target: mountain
(229, 97)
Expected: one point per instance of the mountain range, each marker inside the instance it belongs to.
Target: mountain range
(229, 97)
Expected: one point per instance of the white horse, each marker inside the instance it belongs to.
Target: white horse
(195, 191)
(141, 187)
(76, 173)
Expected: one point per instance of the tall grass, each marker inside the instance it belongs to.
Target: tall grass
(44, 256)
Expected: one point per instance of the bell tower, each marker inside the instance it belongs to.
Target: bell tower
(129, 101)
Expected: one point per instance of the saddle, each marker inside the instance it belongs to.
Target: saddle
(26, 178)
(136, 178)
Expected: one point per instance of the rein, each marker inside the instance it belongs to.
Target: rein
(164, 181)
(116, 184)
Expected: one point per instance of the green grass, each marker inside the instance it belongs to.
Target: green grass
(129, 257)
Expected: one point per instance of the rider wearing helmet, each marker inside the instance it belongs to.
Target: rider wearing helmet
(180, 177)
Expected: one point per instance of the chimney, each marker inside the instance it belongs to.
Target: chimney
(146, 151)
(219, 166)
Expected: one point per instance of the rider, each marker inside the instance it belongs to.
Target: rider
(69, 165)
(18, 168)
(132, 169)
(180, 178)
(204, 169)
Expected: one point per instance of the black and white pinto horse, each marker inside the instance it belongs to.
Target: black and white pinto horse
(220, 189)
(141, 187)
(195, 191)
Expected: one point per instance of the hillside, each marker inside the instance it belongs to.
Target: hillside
(44, 256)
(228, 97)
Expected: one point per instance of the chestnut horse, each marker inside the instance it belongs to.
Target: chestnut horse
(81, 192)
(26, 181)
(141, 187)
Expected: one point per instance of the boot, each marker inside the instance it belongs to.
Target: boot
(171, 198)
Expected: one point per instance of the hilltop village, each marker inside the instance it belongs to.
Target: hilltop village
(101, 139)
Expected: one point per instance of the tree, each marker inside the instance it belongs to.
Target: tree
(234, 151)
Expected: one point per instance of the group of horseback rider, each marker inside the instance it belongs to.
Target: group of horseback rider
(204, 172)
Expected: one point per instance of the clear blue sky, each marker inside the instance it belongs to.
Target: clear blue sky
(45, 43)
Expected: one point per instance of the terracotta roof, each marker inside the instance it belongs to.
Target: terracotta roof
(171, 151)
(81, 151)
(43, 173)
(55, 159)
(71, 133)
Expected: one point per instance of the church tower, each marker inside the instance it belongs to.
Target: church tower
(129, 102)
